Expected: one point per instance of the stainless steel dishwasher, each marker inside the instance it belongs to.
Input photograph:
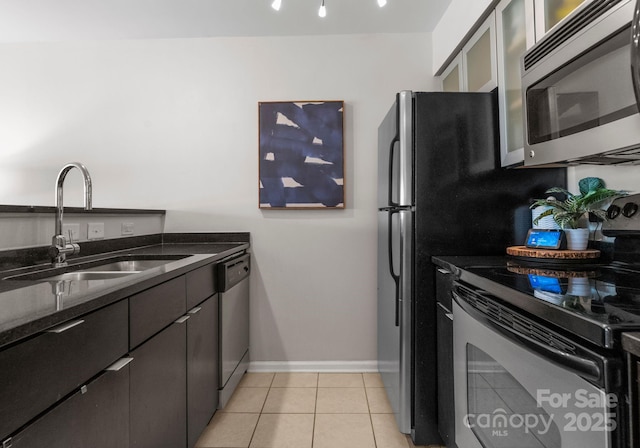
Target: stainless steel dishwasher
(233, 324)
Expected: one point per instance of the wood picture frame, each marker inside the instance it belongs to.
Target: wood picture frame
(301, 155)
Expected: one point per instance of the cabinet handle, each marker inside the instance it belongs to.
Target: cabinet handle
(443, 271)
(64, 327)
(447, 313)
(119, 364)
(6, 443)
(195, 310)
(182, 320)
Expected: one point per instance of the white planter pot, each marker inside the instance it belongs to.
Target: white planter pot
(579, 286)
(545, 223)
(577, 239)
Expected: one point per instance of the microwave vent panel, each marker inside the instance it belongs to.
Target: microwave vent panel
(627, 156)
(573, 24)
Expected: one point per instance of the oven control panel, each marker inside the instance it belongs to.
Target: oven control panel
(623, 216)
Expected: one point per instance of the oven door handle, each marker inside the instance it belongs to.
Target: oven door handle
(635, 51)
(584, 367)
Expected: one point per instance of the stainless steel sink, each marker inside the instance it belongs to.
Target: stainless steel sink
(104, 269)
(127, 266)
(91, 275)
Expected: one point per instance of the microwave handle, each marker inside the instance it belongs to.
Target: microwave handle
(635, 51)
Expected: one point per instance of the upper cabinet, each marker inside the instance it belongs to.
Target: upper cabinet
(548, 13)
(514, 35)
(491, 58)
(452, 76)
(479, 59)
(474, 68)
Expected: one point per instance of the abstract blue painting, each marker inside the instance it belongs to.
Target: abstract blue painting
(301, 154)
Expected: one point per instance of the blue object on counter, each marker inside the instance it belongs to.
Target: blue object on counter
(546, 239)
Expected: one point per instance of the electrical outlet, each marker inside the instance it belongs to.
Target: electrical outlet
(95, 230)
(71, 232)
(126, 228)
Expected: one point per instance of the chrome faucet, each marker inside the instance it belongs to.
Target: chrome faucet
(59, 247)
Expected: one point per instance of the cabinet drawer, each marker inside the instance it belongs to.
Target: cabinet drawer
(95, 417)
(154, 309)
(201, 284)
(38, 372)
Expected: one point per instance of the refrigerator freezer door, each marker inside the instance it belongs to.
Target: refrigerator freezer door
(394, 311)
(395, 155)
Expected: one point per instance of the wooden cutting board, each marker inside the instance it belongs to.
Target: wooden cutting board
(553, 254)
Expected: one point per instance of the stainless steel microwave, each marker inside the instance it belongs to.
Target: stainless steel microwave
(580, 103)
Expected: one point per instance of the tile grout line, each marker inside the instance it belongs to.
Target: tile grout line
(260, 413)
(315, 410)
(366, 396)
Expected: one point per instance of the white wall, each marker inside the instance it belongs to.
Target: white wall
(616, 177)
(172, 124)
(455, 23)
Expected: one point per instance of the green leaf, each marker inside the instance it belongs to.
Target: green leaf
(589, 184)
(567, 213)
(544, 214)
(560, 190)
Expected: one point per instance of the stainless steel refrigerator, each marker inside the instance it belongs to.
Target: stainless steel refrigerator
(440, 192)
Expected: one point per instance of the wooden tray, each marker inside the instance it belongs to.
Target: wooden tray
(545, 272)
(551, 254)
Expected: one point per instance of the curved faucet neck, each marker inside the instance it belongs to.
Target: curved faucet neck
(59, 183)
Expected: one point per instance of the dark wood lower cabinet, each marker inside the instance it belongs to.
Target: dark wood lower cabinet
(164, 397)
(158, 384)
(446, 408)
(202, 367)
(36, 373)
(446, 392)
(96, 416)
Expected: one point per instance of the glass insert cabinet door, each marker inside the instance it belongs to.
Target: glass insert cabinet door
(514, 35)
(452, 76)
(479, 59)
(550, 12)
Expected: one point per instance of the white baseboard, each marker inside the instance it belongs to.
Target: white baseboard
(313, 366)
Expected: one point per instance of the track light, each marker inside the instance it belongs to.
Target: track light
(322, 12)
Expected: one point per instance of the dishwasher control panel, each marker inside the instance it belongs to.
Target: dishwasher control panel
(233, 271)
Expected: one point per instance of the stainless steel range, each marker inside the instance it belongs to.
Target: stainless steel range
(538, 360)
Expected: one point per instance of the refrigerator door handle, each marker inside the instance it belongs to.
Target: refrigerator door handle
(392, 271)
(392, 147)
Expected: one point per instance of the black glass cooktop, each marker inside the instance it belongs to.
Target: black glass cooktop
(593, 301)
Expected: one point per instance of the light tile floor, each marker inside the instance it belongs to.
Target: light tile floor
(306, 410)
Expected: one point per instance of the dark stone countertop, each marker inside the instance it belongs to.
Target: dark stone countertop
(457, 262)
(28, 307)
(77, 210)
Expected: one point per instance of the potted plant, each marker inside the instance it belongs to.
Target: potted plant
(569, 212)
